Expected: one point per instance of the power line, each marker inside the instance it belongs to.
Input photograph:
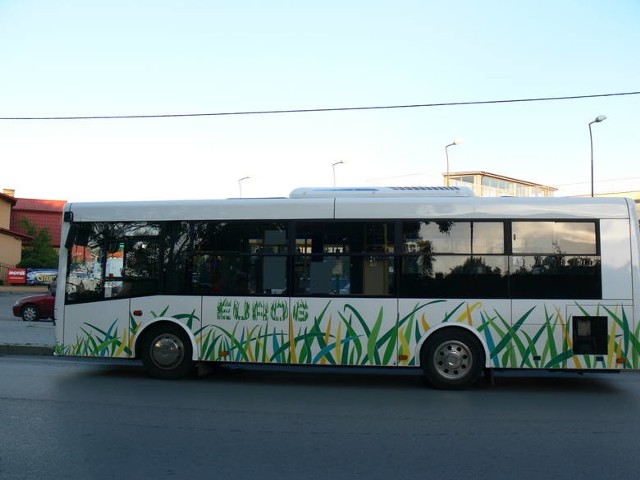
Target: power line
(318, 110)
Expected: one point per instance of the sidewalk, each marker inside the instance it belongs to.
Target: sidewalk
(24, 289)
(23, 338)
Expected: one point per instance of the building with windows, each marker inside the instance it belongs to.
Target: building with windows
(41, 214)
(10, 240)
(13, 234)
(485, 184)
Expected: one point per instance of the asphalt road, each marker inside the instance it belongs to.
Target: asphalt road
(78, 419)
(69, 420)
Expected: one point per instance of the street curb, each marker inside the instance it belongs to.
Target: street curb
(11, 349)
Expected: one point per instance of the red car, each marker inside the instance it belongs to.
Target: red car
(35, 307)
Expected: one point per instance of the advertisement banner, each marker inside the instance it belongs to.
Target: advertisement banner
(41, 276)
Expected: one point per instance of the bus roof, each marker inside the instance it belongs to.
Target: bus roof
(352, 192)
(356, 207)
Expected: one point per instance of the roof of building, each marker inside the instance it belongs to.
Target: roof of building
(7, 198)
(13, 233)
(38, 205)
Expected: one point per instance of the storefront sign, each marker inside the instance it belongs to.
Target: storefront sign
(17, 276)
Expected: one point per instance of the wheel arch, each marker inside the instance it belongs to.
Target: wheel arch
(158, 322)
(457, 326)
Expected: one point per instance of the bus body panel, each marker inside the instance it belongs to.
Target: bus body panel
(236, 209)
(614, 349)
(634, 240)
(100, 329)
(482, 208)
(616, 249)
(419, 318)
(300, 330)
(61, 284)
(243, 329)
(183, 310)
(544, 335)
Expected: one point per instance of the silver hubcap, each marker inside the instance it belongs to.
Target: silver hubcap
(167, 351)
(453, 360)
(29, 313)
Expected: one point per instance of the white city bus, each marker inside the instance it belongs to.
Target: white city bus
(426, 277)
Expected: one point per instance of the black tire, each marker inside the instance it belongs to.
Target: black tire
(30, 313)
(452, 359)
(167, 352)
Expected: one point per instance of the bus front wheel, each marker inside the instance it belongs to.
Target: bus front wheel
(167, 352)
(452, 359)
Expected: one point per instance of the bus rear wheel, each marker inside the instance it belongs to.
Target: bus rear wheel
(167, 352)
(452, 359)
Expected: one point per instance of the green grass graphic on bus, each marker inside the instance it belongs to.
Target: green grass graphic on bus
(101, 342)
(269, 331)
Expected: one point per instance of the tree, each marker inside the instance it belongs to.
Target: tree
(40, 254)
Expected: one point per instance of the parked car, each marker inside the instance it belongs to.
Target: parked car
(35, 307)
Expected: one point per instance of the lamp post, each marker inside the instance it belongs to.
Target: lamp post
(446, 153)
(598, 119)
(240, 180)
(333, 168)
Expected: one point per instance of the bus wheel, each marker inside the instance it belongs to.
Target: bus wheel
(167, 352)
(452, 359)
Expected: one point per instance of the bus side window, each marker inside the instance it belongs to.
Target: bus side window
(84, 277)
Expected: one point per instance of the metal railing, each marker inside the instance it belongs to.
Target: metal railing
(4, 272)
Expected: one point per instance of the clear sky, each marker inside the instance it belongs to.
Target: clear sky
(145, 57)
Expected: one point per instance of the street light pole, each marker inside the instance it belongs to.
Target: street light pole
(333, 168)
(598, 119)
(240, 180)
(446, 153)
